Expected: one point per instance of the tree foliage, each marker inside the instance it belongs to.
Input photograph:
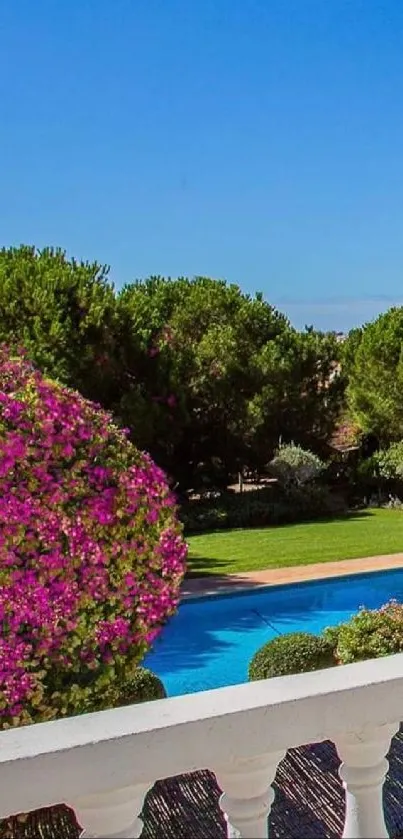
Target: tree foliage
(374, 365)
(64, 312)
(207, 379)
(200, 341)
(226, 377)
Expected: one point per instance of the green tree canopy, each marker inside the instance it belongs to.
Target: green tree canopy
(207, 379)
(64, 313)
(301, 392)
(374, 365)
(197, 340)
(226, 375)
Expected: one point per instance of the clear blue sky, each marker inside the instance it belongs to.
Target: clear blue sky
(256, 140)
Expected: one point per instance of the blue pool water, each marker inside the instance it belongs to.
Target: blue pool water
(211, 640)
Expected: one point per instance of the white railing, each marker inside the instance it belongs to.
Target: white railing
(102, 765)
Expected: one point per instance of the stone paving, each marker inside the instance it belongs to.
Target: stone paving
(214, 583)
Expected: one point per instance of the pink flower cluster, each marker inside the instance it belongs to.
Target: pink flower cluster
(91, 552)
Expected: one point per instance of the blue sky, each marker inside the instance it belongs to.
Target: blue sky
(256, 140)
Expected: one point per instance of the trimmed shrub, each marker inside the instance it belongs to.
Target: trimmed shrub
(91, 552)
(297, 652)
(142, 686)
(371, 633)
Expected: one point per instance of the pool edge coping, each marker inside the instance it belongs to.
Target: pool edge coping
(270, 578)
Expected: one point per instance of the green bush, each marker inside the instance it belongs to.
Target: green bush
(260, 508)
(380, 477)
(371, 633)
(295, 466)
(231, 510)
(297, 652)
(388, 463)
(331, 636)
(143, 686)
(311, 501)
(383, 472)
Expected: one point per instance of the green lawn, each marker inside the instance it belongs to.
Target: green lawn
(366, 533)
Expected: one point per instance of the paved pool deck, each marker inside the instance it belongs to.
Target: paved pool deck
(215, 583)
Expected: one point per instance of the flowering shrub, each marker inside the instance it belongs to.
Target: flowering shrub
(370, 633)
(91, 553)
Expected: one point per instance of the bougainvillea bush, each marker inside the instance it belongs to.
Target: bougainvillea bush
(91, 551)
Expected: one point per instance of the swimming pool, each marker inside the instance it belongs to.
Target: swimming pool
(211, 640)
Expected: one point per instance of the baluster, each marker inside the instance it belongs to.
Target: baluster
(231, 832)
(247, 795)
(363, 769)
(114, 814)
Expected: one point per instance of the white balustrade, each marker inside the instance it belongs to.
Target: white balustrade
(363, 771)
(103, 764)
(113, 815)
(248, 795)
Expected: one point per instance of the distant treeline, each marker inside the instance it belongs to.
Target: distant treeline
(208, 379)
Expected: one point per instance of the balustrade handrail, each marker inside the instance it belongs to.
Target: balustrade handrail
(64, 760)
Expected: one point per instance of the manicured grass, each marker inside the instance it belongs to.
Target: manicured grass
(361, 534)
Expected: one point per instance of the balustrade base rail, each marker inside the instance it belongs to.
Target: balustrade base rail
(309, 802)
